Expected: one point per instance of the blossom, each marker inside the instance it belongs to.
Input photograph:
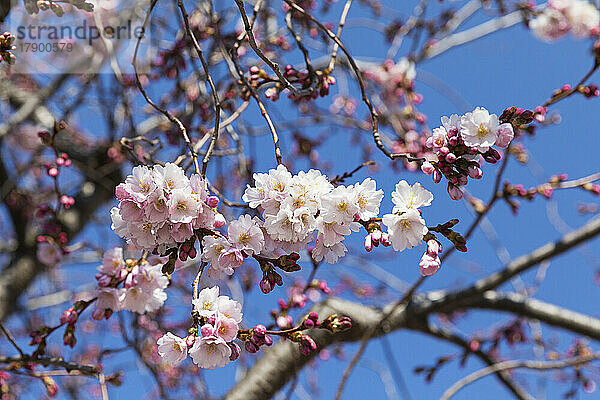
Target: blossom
(226, 328)
(278, 182)
(108, 299)
(407, 197)
(246, 235)
(550, 25)
(330, 254)
(339, 205)
(213, 247)
(160, 207)
(505, 135)
(49, 253)
(429, 264)
(368, 199)
(169, 177)
(479, 129)
(112, 262)
(172, 348)
(206, 303)
(182, 207)
(583, 17)
(229, 308)
(140, 184)
(146, 293)
(210, 352)
(406, 230)
(255, 196)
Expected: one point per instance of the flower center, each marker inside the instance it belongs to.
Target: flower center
(405, 225)
(482, 131)
(181, 206)
(144, 187)
(244, 238)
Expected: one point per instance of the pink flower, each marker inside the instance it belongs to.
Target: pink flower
(112, 262)
(246, 235)
(171, 348)
(210, 352)
(226, 328)
(140, 184)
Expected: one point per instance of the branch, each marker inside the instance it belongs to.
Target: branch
(535, 309)
(506, 365)
(279, 364)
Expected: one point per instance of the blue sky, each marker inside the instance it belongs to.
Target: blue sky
(507, 68)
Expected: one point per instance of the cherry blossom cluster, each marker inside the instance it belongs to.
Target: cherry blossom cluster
(160, 207)
(295, 207)
(137, 286)
(560, 17)
(211, 345)
(461, 142)
(396, 79)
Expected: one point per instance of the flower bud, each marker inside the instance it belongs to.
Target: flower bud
(212, 201)
(505, 135)
(437, 176)
(251, 347)
(235, 351)
(454, 192)
(368, 243)
(427, 168)
(474, 171)
(219, 221)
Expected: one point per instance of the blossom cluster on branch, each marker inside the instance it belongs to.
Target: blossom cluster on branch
(563, 16)
(462, 142)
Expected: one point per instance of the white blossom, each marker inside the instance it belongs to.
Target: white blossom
(172, 348)
(479, 129)
(407, 197)
(406, 230)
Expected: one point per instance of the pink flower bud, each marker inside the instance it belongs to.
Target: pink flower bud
(207, 330)
(505, 135)
(53, 172)
(474, 171)
(376, 237)
(437, 176)
(450, 157)
(385, 239)
(189, 341)
(454, 192)
(427, 168)
(219, 221)
(98, 314)
(429, 265)
(212, 201)
(433, 247)
(368, 243)
(235, 351)
(250, 347)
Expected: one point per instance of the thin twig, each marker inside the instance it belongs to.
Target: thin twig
(11, 339)
(361, 83)
(274, 66)
(513, 364)
(138, 83)
(343, 17)
(215, 134)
